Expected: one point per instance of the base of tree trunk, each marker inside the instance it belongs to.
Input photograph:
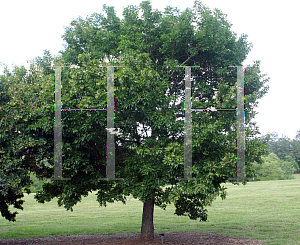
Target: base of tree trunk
(147, 231)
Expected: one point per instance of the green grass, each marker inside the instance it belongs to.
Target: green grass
(265, 210)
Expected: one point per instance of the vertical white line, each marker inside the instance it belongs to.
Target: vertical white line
(240, 125)
(188, 126)
(58, 128)
(110, 164)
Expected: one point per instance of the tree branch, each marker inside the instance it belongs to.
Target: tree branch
(119, 149)
(129, 141)
(98, 157)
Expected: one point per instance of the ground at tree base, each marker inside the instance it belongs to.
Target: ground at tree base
(133, 239)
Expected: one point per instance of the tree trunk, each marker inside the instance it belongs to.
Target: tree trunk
(147, 231)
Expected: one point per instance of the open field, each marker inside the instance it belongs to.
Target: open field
(265, 210)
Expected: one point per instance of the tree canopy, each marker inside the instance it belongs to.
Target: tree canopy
(147, 46)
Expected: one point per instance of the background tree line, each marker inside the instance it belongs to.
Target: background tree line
(283, 160)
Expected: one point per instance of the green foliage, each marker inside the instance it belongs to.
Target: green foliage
(149, 109)
(37, 184)
(27, 96)
(273, 168)
(298, 136)
(286, 149)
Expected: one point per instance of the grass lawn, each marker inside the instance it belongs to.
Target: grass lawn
(266, 210)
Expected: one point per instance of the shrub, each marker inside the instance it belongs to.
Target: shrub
(273, 168)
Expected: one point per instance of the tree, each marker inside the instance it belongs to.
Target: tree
(273, 168)
(19, 108)
(286, 149)
(298, 136)
(12, 178)
(296, 150)
(149, 91)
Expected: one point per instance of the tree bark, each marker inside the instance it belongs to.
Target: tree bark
(147, 231)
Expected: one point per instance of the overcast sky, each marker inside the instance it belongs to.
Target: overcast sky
(28, 27)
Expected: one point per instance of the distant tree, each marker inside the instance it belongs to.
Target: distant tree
(273, 168)
(149, 114)
(285, 148)
(298, 136)
(294, 164)
(295, 154)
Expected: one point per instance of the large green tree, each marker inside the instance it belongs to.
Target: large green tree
(149, 110)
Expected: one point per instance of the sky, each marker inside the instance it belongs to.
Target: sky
(28, 27)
